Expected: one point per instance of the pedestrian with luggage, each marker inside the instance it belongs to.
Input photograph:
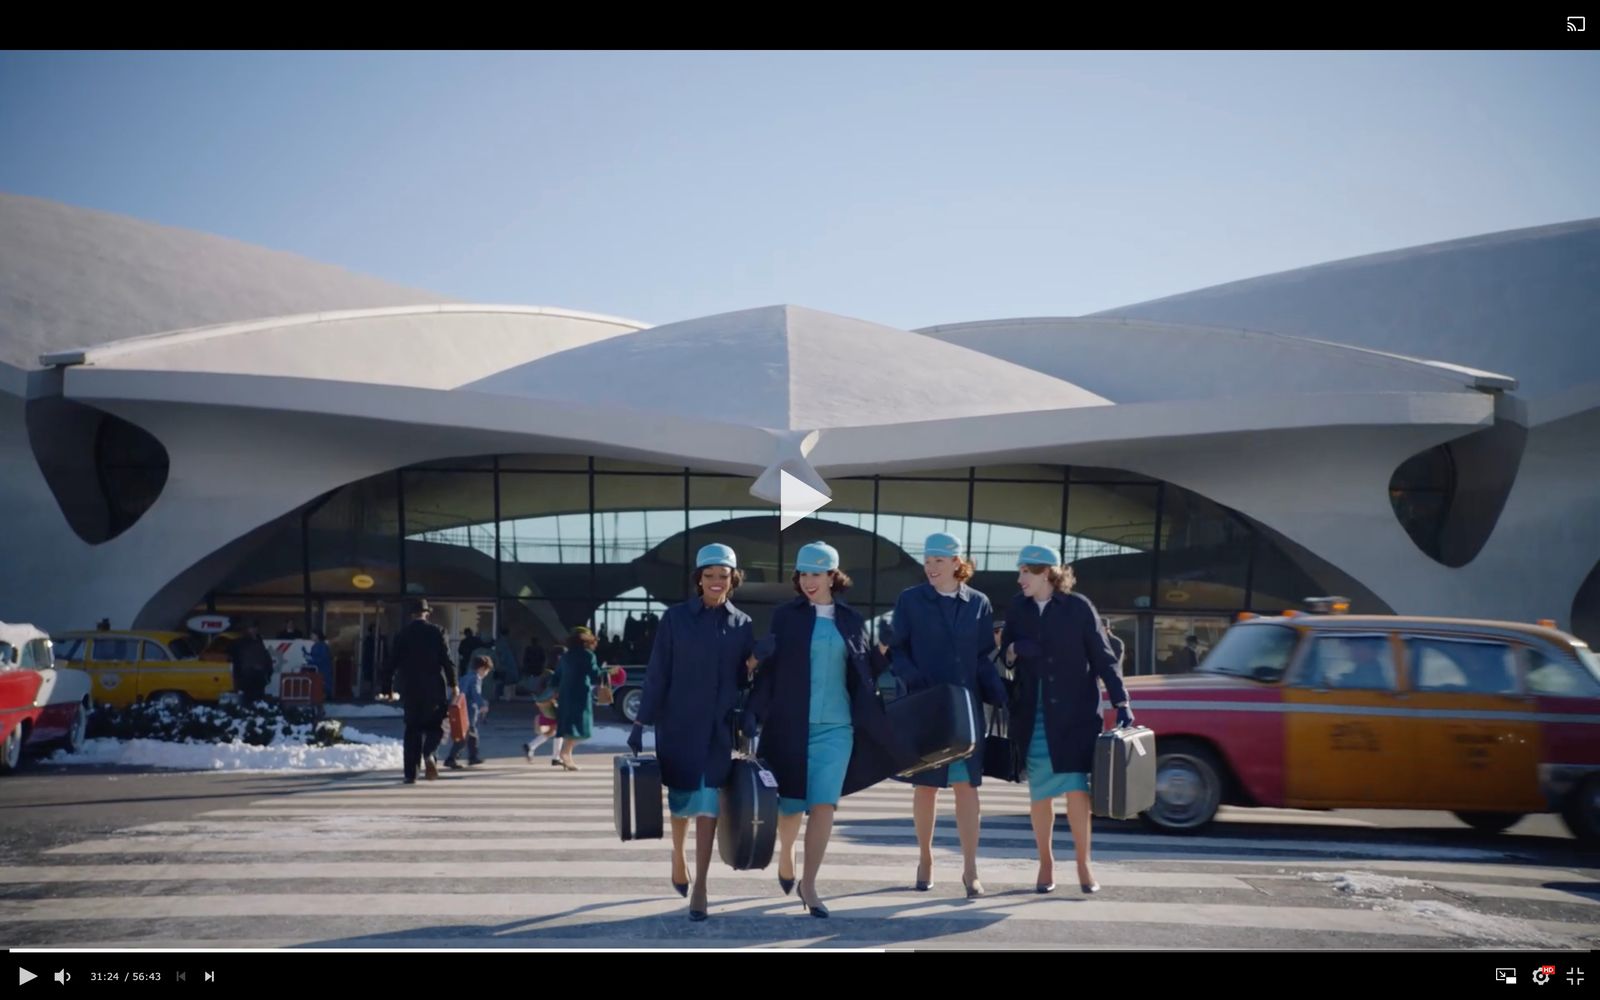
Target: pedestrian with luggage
(1054, 639)
(698, 665)
(477, 708)
(944, 634)
(823, 730)
(577, 673)
(426, 676)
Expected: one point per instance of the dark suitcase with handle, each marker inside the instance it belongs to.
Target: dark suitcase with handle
(937, 726)
(1124, 781)
(636, 794)
(747, 824)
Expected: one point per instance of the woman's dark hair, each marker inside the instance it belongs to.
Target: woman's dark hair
(480, 660)
(841, 582)
(734, 584)
(1061, 576)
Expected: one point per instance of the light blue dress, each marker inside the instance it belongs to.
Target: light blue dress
(1044, 783)
(832, 737)
(702, 801)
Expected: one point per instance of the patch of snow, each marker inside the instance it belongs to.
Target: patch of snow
(1482, 928)
(367, 754)
(1357, 883)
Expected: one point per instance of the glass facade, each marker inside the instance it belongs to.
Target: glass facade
(536, 545)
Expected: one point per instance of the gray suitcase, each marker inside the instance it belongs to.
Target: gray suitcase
(1124, 781)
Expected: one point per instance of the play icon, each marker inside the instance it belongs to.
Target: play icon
(797, 500)
(24, 976)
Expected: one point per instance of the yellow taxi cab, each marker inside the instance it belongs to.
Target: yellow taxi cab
(132, 666)
(1489, 720)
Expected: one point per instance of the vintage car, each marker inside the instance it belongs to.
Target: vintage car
(1489, 720)
(41, 703)
(133, 666)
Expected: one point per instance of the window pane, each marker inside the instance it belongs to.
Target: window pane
(450, 533)
(544, 542)
(1354, 663)
(113, 650)
(1205, 554)
(355, 534)
(908, 512)
(1448, 665)
(1110, 542)
(1560, 678)
(154, 653)
(1182, 643)
(639, 537)
(1091, 474)
(69, 649)
(1245, 649)
(1043, 473)
(545, 463)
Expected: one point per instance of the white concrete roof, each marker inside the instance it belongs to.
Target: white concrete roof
(429, 346)
(1136, 361)
(1524, 302)
(72, 277)
(788, 368)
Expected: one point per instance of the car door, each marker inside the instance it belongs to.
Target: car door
(113, 661)
(1477, 733)
(1349, 742)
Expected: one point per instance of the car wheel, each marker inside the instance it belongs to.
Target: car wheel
(1486, 822)
(1188, 789)
(78, 732)
(629, 701)
(11, 753)
(1582, 811)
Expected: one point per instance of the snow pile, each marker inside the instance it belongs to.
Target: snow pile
(368, 754)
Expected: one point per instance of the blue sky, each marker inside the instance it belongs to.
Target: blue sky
(901, 187)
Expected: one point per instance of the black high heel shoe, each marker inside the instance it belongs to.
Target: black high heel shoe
(924, 882)
(786, 884)
(815, 909)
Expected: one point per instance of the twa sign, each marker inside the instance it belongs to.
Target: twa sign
(209, 624)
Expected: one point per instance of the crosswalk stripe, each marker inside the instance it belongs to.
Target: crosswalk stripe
(556, 910)
(431, 841)
(509, 855)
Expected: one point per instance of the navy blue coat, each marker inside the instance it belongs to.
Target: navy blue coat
(926, 651)
(691, 691)
(1066, 648)
(781, 700)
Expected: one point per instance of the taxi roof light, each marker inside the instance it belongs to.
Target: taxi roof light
(1547, 623)
(1245, 616)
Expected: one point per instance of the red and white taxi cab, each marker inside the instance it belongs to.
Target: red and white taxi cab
(40, 703)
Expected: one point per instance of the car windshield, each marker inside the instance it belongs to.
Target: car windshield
(1250, 650)
(1588, 658)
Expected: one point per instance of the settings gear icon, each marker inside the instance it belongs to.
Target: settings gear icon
(1542, 974)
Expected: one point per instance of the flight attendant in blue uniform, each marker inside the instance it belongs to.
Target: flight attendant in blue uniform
(824, 733)
(700, 661)
(1062, 655)
(944, 634)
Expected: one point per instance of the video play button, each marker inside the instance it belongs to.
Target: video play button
(797, 500)
(24, 976)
